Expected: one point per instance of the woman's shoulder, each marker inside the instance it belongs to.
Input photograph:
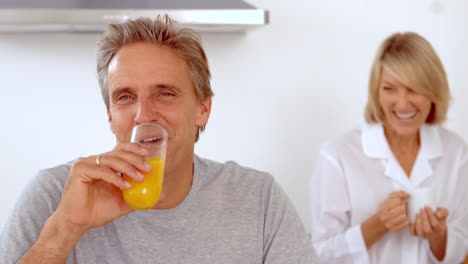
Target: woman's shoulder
(451, 140)
(344, 142)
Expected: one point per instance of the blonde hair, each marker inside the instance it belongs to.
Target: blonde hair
(413, 61)
(162, 31)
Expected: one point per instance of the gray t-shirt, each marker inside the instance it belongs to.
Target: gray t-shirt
(232, 214)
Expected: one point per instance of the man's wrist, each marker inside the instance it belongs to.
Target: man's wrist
(55, 242)
(61, 235)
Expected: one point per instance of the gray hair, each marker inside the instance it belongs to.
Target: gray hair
(163, 31)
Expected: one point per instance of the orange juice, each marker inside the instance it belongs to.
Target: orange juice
(145, 194)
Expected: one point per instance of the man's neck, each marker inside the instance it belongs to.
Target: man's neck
(176, 186)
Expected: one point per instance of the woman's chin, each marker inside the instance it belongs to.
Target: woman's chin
(405, 131)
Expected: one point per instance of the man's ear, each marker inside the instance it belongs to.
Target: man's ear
(204, 112)
(109, 120)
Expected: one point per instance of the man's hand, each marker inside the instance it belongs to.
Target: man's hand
(92, 196)
(392, 211)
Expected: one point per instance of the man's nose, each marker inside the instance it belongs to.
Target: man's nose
(145, 112)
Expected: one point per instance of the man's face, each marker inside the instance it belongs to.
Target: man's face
(149, 83)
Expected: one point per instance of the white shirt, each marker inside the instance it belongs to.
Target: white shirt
(355, 173)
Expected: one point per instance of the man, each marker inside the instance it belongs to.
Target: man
(151, 71)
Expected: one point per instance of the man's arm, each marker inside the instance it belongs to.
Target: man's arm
(37, 202)
(91, 198)
(54, 244)
(285, 238)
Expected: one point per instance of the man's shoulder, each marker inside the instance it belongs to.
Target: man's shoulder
(56, 174)
(230, 167)
(48, 183)
(231, 172)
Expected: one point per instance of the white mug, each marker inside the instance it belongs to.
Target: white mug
(419, 199)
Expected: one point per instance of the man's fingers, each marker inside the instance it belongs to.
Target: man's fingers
(121, 165)
(90, 173)
(123, 161)
(110, 176)
(137, 161)
(134, 148)
(126, 158)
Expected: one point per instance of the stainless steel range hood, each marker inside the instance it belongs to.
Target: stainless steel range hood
(91, 15)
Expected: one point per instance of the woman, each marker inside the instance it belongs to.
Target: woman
(363, 180)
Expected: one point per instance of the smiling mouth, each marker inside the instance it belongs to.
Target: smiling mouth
(406, 116)
(152, 140)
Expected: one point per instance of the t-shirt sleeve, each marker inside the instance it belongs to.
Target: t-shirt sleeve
(37, 202)
(285, 238)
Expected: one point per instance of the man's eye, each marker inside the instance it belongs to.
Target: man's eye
(166, 94)
(124, 97)
(387, 88)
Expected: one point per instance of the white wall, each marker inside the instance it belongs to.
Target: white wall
(281, 90)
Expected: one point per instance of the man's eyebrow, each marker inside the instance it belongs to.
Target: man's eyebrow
(119, 91)
(166, 86)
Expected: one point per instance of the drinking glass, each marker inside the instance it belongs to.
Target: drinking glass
(145, 194)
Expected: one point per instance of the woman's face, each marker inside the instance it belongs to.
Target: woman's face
(404, 110)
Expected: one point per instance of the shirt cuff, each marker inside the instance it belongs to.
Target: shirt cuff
(356, 245)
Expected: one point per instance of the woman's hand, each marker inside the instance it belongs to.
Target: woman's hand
(391, 217)
(392, 211)
(432, 226)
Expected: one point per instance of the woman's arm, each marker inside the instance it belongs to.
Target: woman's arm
(447, 231)
(334, 238)
(391, 217)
